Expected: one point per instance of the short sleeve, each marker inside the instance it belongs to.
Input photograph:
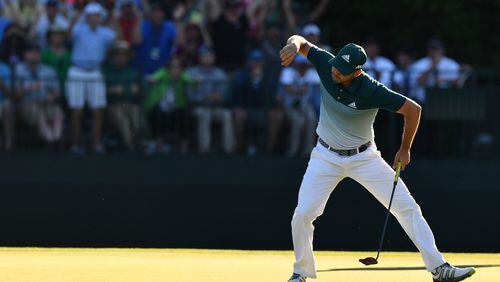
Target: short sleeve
(384, 98)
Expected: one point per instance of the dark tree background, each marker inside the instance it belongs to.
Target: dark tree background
(469, 29)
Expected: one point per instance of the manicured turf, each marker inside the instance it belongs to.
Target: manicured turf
(178, 265)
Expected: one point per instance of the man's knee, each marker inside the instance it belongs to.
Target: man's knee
(405, 206)
(307, 215)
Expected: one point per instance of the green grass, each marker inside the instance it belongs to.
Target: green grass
(178, 265)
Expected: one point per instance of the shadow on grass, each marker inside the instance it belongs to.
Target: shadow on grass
(368, 268)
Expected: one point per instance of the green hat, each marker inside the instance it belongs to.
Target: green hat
(350, 58)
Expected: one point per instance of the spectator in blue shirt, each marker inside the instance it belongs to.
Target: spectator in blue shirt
(38, 88)
(85, 83)
(253, 108)
(157, 41)
(208, 95)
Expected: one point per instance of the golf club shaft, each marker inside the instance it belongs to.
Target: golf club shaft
(398, 169)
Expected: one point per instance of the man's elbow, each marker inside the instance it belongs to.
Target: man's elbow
(418, 108)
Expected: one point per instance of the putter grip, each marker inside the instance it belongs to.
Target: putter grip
(398, 169)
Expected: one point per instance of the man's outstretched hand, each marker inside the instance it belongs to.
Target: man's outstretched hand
(403, 156)
(287, 54)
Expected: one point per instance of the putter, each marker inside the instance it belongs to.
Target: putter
(372, 260)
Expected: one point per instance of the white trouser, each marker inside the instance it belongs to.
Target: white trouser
(325, 170)
(85, 86)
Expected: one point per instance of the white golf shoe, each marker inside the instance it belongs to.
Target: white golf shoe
(297, 278)
(450, 273)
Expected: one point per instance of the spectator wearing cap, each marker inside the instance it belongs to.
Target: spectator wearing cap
(312, 33)
(37, 87)
(156, 44)
(57, 55)
(123, 90)
(51, 19)
(130, 22)
(252, 100)
(85, 85)
(295, 95)
(435, 70)
(377, 66)
(167, 106)
(229, 34)
(6, 108)
(208, 94)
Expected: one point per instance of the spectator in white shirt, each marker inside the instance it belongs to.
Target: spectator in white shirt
(297, 87)
(85, 83)
(435, 70)
(378, 67)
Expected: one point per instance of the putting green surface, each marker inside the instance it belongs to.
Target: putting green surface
(178, 265)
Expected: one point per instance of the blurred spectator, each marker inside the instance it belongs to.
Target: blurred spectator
(229, 34)
(37, 86)
(188, 49)
(51, 19)
(312, 33)
(436, 70)
(6, 106)
(167, 106)
(265, 13)
(271, 47)
(57, 55)
(23, 12)
(297, 84)
(208, 94)
(4, 23)
(378, 67)
(156, 46)
(404, 80)
(123, 89)
(13, 45)
(130, 22)
(252, 102)
(85, 84)
(189, 12)
(307, 11)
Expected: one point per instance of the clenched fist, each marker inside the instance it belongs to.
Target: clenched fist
(287, 54)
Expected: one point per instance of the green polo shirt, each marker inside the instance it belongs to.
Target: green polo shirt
(347, 113)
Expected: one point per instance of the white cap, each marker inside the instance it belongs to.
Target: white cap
(94, 8)
(311, 29)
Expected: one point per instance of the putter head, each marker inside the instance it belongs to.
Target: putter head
(368, 261)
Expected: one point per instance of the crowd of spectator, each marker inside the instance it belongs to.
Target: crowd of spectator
(187, 75)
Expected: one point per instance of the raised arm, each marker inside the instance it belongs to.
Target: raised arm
(411, 112)
(294, 45)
